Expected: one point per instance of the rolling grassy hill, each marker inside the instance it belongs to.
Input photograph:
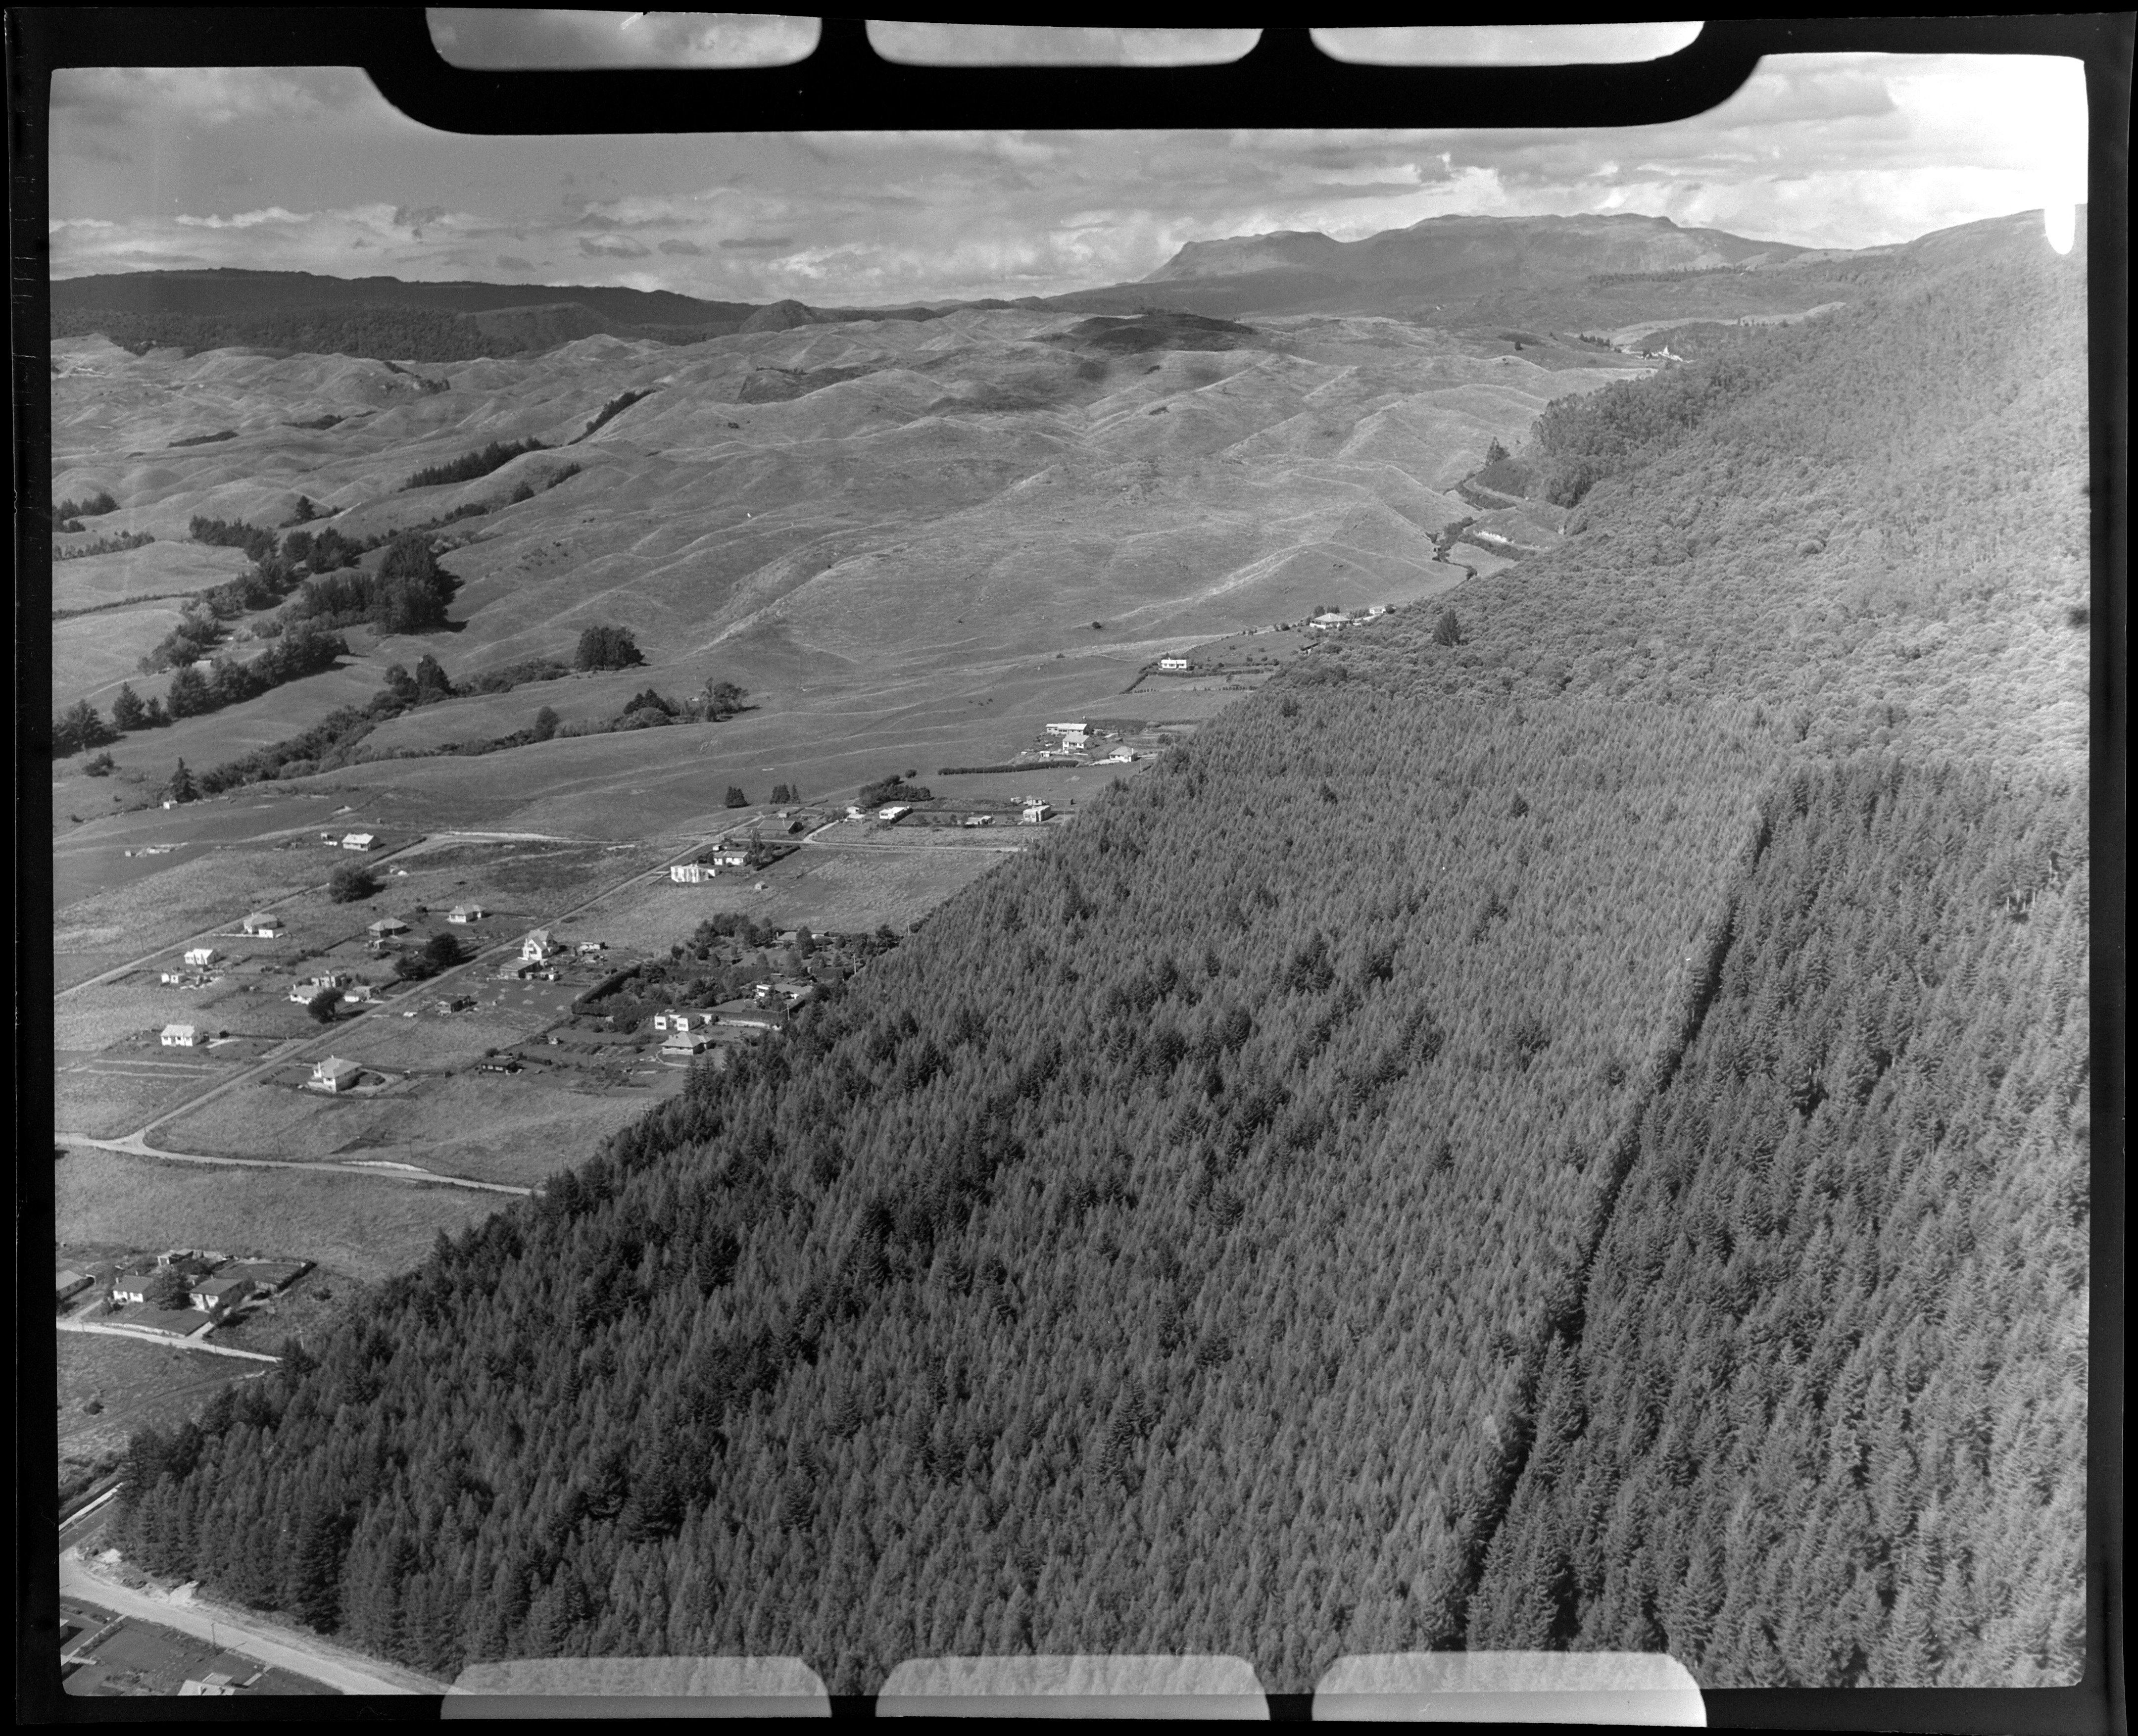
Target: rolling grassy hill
(1401, 1174)
(846, 517)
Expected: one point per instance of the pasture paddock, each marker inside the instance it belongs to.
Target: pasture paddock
(367, 1229)
(517, 1128)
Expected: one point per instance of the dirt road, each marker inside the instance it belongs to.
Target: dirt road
(242, 1630)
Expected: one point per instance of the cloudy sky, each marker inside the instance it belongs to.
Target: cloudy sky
(312, 169)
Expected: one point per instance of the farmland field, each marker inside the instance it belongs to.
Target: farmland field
(832, 890)
(210, 891)
(515, 1129)
(369, 1229)
(155, 569)
(99, 1102)
(92, 654)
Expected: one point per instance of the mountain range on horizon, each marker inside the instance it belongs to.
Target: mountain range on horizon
(1449, 269)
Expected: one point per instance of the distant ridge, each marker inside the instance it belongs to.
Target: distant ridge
(226, 292)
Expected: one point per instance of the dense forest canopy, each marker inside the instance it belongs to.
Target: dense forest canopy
(1567, 1131)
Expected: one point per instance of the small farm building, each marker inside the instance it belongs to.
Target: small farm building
(262, 922)
(358, 840)
(67, 1282)
(1035, 811)
(387, 925)
(466, 913)
(686, 1043)
(896, 811)
(1173, 663)
(731, 855)
(200, 956)
(181, 1036)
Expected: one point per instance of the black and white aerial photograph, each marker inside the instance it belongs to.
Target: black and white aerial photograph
(1193, 920)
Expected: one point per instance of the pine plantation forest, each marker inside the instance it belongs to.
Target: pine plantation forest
(1576, 1137)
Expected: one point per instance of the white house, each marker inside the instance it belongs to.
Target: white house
(731, 855)
(1035, 811)
(689, 874)
(182, 1036)
(358, 993)
(1332, 618)
(977, 820)
(173, 977)
(896, 811)
(389, 925)
(1173, 663)
(358, 840)
(263, 923)
(200, 956)
(304, 992)
(683, 1044)
(537, 946)
(335, 1074)
(592, 949)
(466, 914)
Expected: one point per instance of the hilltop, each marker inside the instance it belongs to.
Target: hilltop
(1416, 272)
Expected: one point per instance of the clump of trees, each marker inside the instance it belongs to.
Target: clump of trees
(409, 593)
(95, 506)
(351, 883)
(466, 469)
(103, 544)
(611, 410)
(80, 726)
(607, 648)
(892, 789)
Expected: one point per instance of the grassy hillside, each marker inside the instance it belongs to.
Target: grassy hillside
(1371, 1183)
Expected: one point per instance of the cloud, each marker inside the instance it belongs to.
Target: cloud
(244, 219)
(214, 96)
(1824, 150)
(504, 40)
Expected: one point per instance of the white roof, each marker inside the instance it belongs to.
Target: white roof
(181, 1030)
(333, 1066)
